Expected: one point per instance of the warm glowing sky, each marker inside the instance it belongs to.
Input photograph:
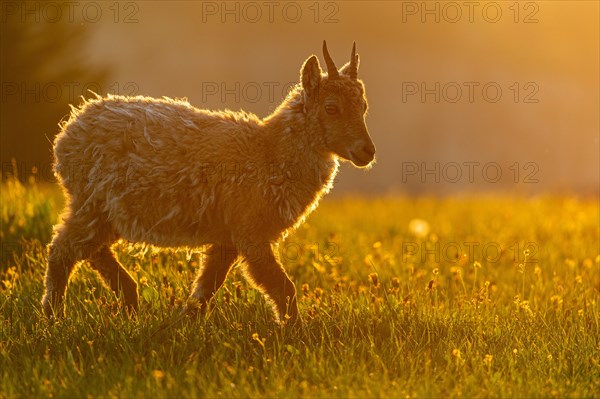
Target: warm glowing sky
(176, 50)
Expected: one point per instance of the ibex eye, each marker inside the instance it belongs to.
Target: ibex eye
(331, 109)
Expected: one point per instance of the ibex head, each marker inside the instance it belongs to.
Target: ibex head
(337, 101)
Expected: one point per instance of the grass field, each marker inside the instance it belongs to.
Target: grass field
(400, 297)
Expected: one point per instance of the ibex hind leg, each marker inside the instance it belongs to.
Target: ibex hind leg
(115, 276)
(76, 239)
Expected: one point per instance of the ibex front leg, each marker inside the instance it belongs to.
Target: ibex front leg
(266, 272)
(216, 264)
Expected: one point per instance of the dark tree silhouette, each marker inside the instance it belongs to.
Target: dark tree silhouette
(42, 70)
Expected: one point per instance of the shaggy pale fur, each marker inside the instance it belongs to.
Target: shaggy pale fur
(162, 172)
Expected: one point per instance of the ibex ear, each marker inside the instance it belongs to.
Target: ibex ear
(311, 76)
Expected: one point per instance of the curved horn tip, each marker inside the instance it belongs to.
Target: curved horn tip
(353, 62)
(331, 68)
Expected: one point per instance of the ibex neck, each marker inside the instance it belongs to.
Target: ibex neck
(290, 109)
(296, 137)
(297, 148)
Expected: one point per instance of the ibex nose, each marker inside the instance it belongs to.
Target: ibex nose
(364, 155)
(369, 149)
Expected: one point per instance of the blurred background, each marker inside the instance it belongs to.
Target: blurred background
(465, 97)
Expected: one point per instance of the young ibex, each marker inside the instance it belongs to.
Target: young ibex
(162, 172)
